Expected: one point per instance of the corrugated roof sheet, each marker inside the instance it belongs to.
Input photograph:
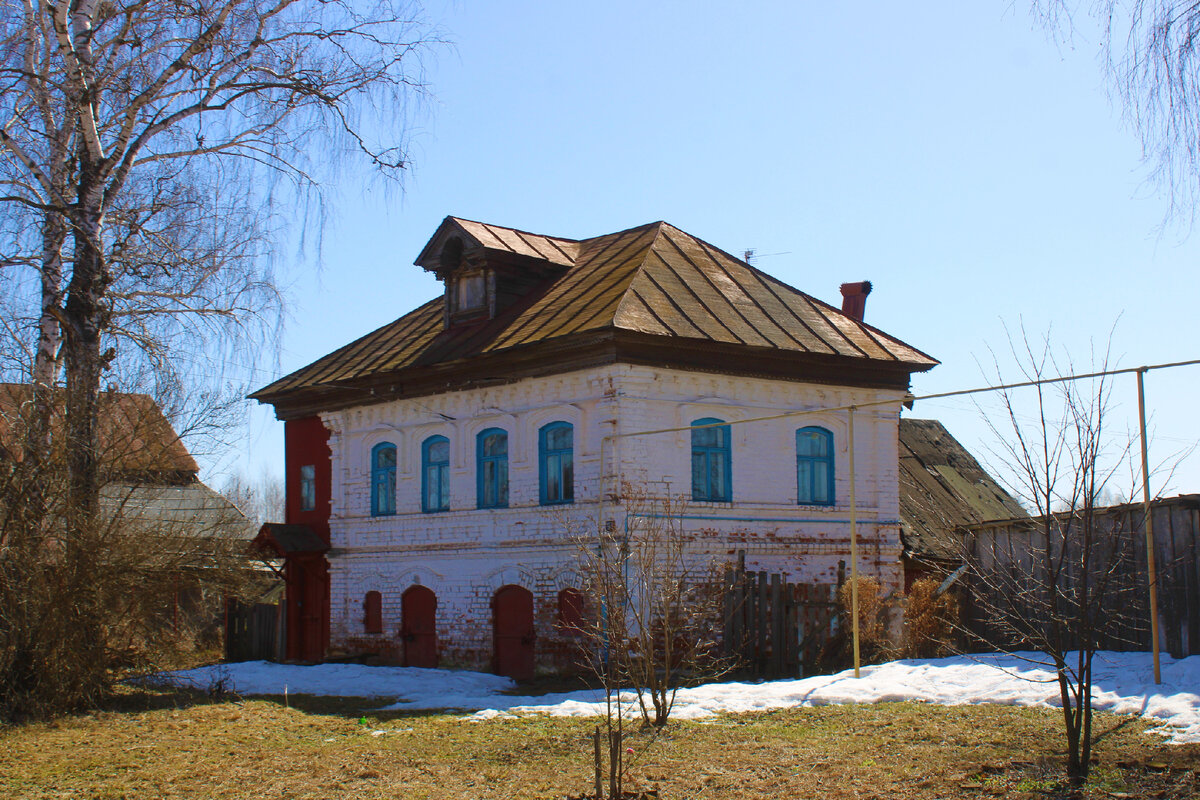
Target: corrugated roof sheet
(942, 489)
(654, 279)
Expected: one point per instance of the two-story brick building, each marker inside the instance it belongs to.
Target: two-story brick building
(436, 466)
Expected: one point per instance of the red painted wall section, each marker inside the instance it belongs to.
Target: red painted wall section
(307, 442)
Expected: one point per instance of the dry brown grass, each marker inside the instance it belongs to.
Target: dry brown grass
(318, 748)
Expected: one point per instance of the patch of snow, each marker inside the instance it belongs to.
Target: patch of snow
(344, 680)
(1123, 684)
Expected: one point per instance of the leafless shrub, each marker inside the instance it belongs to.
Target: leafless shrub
(1049, 584)
(160, 557)
(655, 614)
(931, 621)
(874, 609)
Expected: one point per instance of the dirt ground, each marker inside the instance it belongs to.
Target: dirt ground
(177, 745)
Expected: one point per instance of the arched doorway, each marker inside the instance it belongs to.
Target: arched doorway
(512, 622)
(418, 626)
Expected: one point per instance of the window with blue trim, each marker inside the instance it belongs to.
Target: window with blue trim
(712, 476)
(556, 461)
(435, 474)
(491, 468)
(814, 467)
(383, 479)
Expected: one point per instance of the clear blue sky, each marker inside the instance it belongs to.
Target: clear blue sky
(977, 173)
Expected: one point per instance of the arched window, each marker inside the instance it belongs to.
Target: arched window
(435, 474)
(383, 479)
(451, 257)
(556, 448)
(712, 478)
(373, 613)
(491, 468)
(814, 467)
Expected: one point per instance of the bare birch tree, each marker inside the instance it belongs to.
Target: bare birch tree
(138, 144)
(1151, 55)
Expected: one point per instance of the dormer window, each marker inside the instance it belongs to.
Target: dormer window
(487, 270)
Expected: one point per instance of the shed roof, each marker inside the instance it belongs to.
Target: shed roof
(942, 490)
(654, 280)
(289, 539)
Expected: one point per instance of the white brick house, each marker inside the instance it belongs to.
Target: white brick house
(464, 441)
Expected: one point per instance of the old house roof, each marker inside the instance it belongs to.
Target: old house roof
(942, 490)
(135, 436)
(189, 510)
(649, 287)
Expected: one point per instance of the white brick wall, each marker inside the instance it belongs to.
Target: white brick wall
(466, 554)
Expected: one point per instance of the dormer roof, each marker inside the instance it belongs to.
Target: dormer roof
(493, 238)
(651, 294)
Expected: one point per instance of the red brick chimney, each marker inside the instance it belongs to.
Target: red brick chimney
(854, 299)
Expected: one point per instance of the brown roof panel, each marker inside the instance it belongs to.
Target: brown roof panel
(135, 436)
(653, 279)
(554, 249)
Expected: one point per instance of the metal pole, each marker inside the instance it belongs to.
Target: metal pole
(853, 545)
(1149, 526)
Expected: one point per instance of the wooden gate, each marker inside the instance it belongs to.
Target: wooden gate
(418, 626)
(774, 628)
(512, 619)
(253, 631)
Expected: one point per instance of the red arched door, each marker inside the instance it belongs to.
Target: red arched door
(512, 620)
(418, 626)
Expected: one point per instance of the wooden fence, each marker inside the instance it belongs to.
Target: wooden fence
(1010, 574)
(774, 628)
(254, 632)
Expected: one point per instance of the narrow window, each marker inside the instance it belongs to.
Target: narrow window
(383, 479)
(491, 447)
(814, 467)
(572, 610)
(373, 613)
(711, 473)
(435, 474)
(556, 446)
(308, 487)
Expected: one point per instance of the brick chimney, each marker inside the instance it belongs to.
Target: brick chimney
(854, 299)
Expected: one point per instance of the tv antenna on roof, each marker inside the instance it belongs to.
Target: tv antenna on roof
(750, 255)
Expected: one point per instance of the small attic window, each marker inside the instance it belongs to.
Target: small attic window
(471, 291)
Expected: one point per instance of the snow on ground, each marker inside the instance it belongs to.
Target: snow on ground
(454, 688)
(1123, 684)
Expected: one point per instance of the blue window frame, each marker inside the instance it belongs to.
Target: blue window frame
(435, 474)
(383, 479)
(491, 468)
(556, 462)
(814, 467)
(712, 476)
